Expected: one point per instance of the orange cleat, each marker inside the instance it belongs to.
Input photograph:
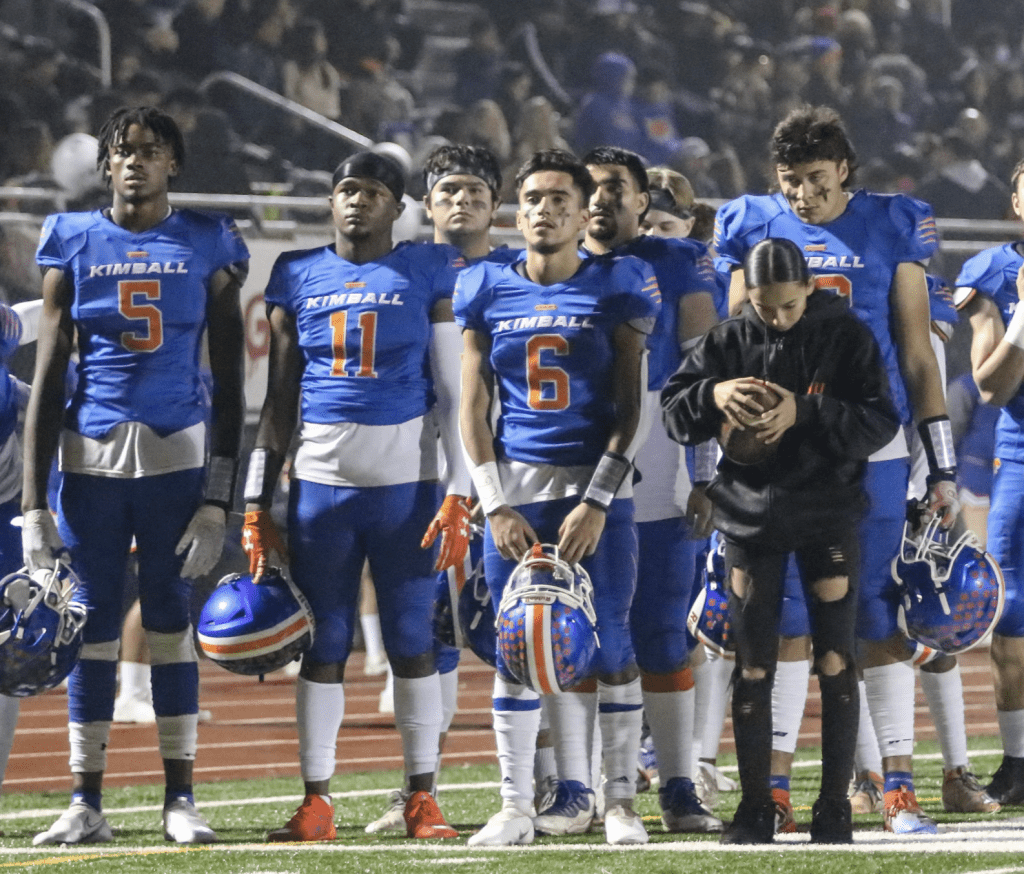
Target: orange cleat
(313, 821)
(785, 822)
(423, 818)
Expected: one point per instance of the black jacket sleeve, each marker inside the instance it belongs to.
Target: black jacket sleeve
(688, 401)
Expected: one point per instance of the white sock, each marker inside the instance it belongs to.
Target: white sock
(372, 638)
(319, 709)
(945, 695)
(572, 716)
(516, 721)
(449, 698)
(866, 757)
(621, 716)
(789, 697)
(889, 689)
(135, 682)
(1011, 730)
(711, 703)
(9, 708)
(596, 755)
(671, 716)
(418, 719)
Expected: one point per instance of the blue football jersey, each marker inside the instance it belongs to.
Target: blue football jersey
(855, 255)
(140, 311)
(681, 267)
(552, 351)
(940, 300)
(364, 329)
(994, 272)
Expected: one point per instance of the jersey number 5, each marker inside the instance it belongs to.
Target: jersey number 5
(152, 337)
(553, 379)
(364, 364)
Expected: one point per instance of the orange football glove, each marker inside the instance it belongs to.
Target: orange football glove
(452, 523)
(259, 537)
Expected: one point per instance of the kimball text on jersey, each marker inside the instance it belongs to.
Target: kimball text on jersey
(529, 323)
(137, 268)
(350, 298)
(831, 262)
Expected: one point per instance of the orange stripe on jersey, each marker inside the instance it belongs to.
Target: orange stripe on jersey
(678, 681)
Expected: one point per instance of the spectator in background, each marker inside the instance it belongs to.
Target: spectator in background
(202, 38)
(607, 115)
(652, 107)
(478, 67)
(959, 185)
(694, 161)
(309, 78)
(538, 129)
(877, 118)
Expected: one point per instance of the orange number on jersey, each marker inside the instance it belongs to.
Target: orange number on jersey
(153, 336)
(837, 282)
(367, 343)
(537, 376)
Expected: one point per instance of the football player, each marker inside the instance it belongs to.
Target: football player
(869, 248)
(561, 344)
(137, 283)
(671, 517)
(989, 290)
(362, 340)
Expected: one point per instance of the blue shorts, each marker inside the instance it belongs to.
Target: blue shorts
(612, 570)
(97, 518)
(664, 593)
(881, 533)
(332, 530)
(1006, 541)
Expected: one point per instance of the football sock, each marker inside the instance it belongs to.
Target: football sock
(516, 712)
(945, 695)
(372, 638)
(93, 799)
(9, 708)
(171, 793)
(712, 700)
(889, 688)
(572, 716)
(789, 697)
(449, 698)
(319, 709)
(620, 713)
(779, 781)
(670, 715)
(135, 683)
(418, 720)
(895, 779)
(1011, 730)
(867, 756)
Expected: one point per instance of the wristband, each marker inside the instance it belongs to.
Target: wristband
(261, 479)
(220, 481)
(705, 462)
(488, 486)
(1015, 329)
(611, 470)
(937, 437)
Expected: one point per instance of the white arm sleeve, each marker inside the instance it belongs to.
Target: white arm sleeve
(445, 368)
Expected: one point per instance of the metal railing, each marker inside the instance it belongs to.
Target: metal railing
(102, 35)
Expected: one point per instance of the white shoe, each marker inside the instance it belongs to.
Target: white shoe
(623, 825)
(186, 825)
(544, 796)
(393, 819)
(374, 667)
(571, 813)
(134, 710)
(79, 824)
(508, 827)
(205, 715)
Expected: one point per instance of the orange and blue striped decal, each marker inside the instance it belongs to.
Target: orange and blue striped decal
(538, 649)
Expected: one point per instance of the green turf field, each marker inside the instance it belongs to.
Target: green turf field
(242, 812)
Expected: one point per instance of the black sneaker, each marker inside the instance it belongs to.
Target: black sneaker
(1007, 786)
(754, 823)
(831, 821)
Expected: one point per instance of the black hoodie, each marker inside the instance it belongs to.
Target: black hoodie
(811, 486)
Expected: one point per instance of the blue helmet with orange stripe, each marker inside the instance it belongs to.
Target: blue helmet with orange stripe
(547, 633)
(252, 628)
(471, 623)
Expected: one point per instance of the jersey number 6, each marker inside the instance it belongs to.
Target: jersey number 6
(152, 337)
(539, 377)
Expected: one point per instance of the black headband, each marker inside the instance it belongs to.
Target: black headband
(663, 200)
(370, 165)
(472, 168)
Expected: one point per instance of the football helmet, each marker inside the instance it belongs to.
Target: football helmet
(255, 629)
(40, 629)
(465, 586)
(708, 619)
(547, 633)
(953, 593)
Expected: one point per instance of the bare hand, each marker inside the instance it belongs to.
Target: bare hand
(511, 533)
(773, 424)
(739, 400)
(580, 532)
(698, 513)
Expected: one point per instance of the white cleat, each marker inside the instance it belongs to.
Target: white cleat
(508, 827)
(571, 813)
(393, 819)
(186, 825)
(79, 824)
(136, 710)
(623, 825)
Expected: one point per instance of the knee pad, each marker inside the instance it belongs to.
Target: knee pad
(178, 736)
(176, 647)
(106, 651)
(88, 746)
